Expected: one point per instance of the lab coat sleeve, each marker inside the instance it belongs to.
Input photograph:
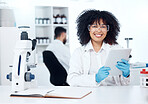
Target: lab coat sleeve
(77, 75)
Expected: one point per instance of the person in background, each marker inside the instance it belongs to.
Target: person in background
(59, 48)
(97, 32)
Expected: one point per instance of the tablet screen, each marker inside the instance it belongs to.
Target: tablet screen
(113, 57)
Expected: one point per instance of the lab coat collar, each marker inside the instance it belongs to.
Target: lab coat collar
(90, 47)
(58, 41)
(104, 45)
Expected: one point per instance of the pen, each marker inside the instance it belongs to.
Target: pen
(50, 91)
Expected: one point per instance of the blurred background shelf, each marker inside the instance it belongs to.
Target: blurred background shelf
(47, 18)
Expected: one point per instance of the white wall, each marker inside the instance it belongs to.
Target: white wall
(132, 15)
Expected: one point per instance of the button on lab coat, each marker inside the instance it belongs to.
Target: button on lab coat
(80, 68)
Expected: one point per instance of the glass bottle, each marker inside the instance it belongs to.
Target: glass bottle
(58, 19)
(64, 19)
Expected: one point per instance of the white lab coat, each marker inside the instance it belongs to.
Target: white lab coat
(80, 65)
(61, 51)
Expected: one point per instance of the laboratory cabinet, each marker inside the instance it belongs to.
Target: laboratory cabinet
(47, 18)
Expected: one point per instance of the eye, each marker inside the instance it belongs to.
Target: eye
(94, 26)
(103, 26)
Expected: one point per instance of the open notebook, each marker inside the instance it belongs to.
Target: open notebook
(68, 92)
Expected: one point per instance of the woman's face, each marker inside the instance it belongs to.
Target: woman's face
(98, 31)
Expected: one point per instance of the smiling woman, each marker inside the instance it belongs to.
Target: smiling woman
(97, 33)
(90, 18)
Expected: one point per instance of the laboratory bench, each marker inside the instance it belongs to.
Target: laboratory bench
(99, 95)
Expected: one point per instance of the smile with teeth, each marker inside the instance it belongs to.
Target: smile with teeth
(98, 35)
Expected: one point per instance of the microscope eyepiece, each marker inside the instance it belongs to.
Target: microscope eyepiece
(24, 35)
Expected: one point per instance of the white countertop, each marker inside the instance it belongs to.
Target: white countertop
(100, 95)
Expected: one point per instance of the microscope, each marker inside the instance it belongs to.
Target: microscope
(21, 76)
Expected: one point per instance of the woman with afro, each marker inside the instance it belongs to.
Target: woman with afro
(97, 32)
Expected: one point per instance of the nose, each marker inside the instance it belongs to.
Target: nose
(98, 29)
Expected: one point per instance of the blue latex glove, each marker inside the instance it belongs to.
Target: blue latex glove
(124, 67)
(102, 74)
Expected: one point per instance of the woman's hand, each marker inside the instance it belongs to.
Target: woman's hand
(124, 66)
(102, 74)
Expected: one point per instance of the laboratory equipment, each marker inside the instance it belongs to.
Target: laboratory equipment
(127, 40)
(139, 65)
(21, 75)
(144, 78)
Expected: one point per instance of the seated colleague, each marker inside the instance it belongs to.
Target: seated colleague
(97, 33)
(58, 47)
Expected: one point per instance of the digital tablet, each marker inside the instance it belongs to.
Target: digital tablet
(113, 57)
